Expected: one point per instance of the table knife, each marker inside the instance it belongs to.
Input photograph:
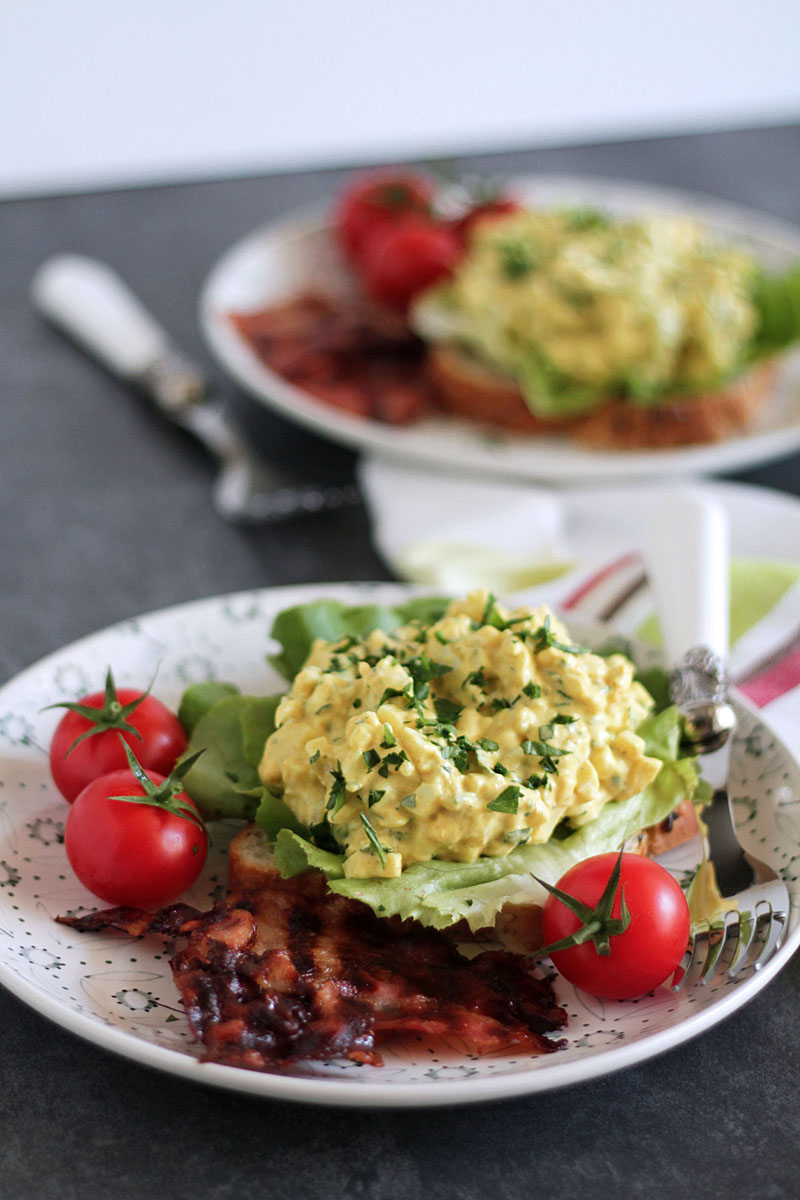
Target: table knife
(90, 303)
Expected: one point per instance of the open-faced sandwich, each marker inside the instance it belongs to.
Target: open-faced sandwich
(432, 771)
(619, 332)
(440, 770)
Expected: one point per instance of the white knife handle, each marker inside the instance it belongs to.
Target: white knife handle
(686, 555)
(88, 300)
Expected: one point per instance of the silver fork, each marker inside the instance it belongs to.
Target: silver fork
(687, 562)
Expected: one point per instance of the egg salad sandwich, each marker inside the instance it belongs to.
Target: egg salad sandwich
(621, 333)
(438, 760)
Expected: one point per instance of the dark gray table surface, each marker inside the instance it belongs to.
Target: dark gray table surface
(106, 514)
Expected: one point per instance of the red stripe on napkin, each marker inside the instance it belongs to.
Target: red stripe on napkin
(581, 592)
(774, 680)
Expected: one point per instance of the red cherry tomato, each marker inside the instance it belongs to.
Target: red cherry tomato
(407, 258)
(374, 201)
(501, 207)
(642, 957)
(153, 732)
(142, 855)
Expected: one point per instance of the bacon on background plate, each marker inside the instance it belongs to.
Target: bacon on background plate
(354, 356)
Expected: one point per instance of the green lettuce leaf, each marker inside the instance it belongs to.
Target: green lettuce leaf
(298, 627)
(662, 734)
(777, 299)
(273, 815)
(548, 393)
(199, 698)
(224, 782)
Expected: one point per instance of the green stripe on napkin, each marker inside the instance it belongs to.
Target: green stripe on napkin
(756, 587)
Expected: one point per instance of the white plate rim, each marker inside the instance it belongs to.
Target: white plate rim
(449, 443)
(547, 1075)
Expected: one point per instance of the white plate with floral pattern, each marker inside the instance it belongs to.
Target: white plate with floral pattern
(118, 992)
(296, 253)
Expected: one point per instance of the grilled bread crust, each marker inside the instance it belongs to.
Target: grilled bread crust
(468, 388)
(518, 928)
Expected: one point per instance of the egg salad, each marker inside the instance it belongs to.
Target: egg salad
(467, 736)
(576, 305)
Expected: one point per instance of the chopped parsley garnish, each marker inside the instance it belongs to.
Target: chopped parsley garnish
(375, 795)
(499, 769)
(507, 801)
(372, 838)
(491, 615)
(579, 220)
(458, 754)
(517, 258)
(447, 711)
(532, 691)
(389, 739)
(336, 796)
(542, 749)
(357, 703)
(477, 677)
(500, 702)
(396, 759)
(422, 670)
(371, 758)
(409, 801)
(392, 693)
(314, 756)
(543, 638)
(536, 781)
(346, 643)
(487, 744)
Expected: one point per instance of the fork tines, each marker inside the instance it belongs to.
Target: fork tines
(733, 942)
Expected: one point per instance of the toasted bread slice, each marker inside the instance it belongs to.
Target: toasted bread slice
(681, 421)
(251, 864)
(251, 860)
(679, 827)
(466, 387)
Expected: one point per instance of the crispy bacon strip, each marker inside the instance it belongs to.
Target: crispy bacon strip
(292, 972)
(352, 355)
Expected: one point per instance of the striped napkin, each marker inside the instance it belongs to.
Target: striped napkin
(455, 533)
(764, 656)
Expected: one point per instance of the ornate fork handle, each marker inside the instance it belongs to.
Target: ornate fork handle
(701, 676)
(698, 686)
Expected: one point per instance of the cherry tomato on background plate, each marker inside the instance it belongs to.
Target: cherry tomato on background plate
(649, 947)
(141, 854)
(376, 200)
(86, 742)
(408, 257)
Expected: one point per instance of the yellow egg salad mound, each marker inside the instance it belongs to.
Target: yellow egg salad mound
(643, 307)
(465, 737)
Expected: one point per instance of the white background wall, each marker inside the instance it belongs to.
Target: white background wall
(97, 93)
